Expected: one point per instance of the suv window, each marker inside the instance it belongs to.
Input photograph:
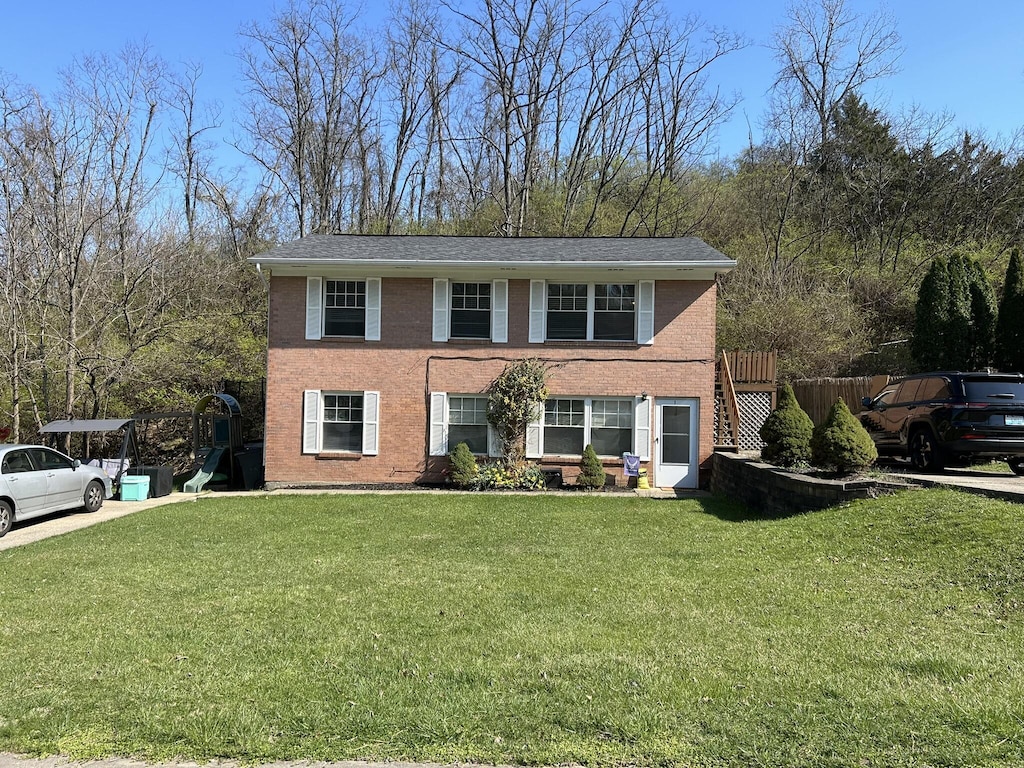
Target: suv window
(994, 391)
(908, 391)
(934, 388)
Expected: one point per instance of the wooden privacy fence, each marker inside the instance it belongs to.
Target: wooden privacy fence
(816, 396)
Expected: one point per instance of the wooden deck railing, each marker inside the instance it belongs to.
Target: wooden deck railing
(751, 367)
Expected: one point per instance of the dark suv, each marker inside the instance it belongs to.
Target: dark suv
(949, 417)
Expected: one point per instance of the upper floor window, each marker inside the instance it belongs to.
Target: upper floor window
(471, 311)
(464, 310)
(592, 311)
(344, 308)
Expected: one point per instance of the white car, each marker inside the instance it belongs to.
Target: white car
(37, 481)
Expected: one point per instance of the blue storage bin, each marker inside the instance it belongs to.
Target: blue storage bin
(134, 487)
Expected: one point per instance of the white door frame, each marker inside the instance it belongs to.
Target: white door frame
(669, 474)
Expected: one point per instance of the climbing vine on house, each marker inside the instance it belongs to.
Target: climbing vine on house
(514, 400)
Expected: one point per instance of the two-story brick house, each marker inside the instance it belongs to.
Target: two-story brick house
(381, 350)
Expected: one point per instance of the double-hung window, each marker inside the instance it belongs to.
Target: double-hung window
(343, 308)
(592, 311)
(467, 422)
(564, 427)
(613, 425)
(343, 422)
(340, 422)
(470, 310)
(458, 419)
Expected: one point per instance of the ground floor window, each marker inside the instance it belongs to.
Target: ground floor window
(340, 422)
(467, 422)
(569, 424)
(343, 422)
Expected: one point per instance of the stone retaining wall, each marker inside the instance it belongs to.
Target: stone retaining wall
(774, 491)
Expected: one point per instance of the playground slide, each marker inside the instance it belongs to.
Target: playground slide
(204, 475)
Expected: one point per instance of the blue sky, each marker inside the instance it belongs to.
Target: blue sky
(963, 58)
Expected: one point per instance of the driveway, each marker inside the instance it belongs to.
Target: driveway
(998, 485)
(62, 522)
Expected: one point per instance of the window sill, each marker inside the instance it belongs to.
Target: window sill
(343, 339)
(593, 344)
(470, 342)
(335, 455)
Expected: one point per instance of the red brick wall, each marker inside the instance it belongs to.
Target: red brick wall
(405, 366)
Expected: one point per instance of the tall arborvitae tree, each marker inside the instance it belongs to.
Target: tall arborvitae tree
(1010, 325)
(958, 329)
(931, 318)
(982, 332)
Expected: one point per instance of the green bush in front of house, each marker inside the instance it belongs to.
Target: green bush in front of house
(841, 443)
(496, 476)
(464, 471)
(591, 472)
(787, 432)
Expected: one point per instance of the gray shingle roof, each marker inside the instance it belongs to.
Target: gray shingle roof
(490, 250)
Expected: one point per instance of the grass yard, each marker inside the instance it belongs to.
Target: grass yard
(523, 629)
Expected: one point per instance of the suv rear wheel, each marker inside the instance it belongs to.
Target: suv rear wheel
(924, 452)
(1016, 466)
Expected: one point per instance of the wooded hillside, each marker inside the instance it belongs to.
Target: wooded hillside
(123, 236)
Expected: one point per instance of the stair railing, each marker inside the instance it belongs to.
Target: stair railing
(730, 405)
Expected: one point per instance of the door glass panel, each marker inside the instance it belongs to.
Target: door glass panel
(675, 434)
(675, 419)
(675, 449)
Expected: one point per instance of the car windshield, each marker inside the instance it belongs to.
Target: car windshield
(994, 391)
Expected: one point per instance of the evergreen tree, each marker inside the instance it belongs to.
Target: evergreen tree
(982, 334)
(931, 319)
(1010, 325)
(787, 432)
(841, 443)
(591, 471)
(958, 322)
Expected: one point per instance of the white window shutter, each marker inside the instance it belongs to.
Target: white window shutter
(441, 332)
(438, 424)
(538, 307)
(314, 307)
(645, 313)
(499, 312)
(373, 309)
(493, 443)
(535, 435)
(311, 421)
(371, 423)
(642, 429)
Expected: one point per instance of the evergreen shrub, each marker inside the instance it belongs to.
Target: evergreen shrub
(841, 443)
(464, 469)
(787, 432)
(591, 472)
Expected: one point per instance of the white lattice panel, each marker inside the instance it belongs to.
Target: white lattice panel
(754, 409)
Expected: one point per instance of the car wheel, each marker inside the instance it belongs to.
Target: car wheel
(924, 453)
(93, 496)
(1016, 466)
(6, 517)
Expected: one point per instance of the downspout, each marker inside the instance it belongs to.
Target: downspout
(266, 377)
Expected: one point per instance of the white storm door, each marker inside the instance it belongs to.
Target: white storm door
(675, 443)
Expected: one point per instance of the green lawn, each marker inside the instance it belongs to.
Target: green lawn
(523, 629)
